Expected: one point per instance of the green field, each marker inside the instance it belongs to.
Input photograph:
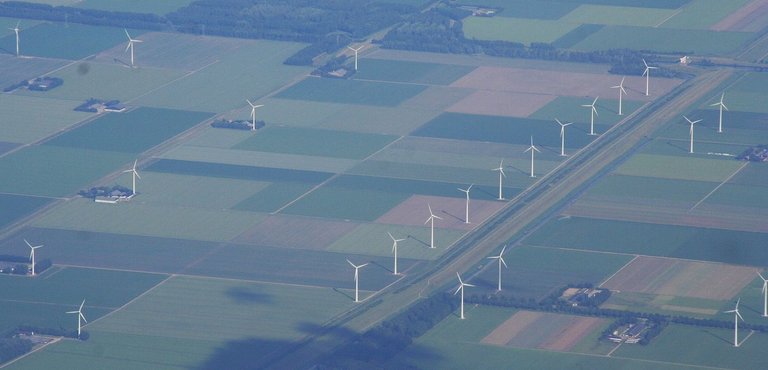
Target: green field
(702, 346)
(617, 15)
(633, 187)
(679, 167)
(569, 109)
(702, 14)
(576, 35)
(65, 41)
(25, 121)
(104, 250)
(47, 315)
(202, 318)
(700, 42)
(414, 72)
(520, 30)
(56, 171)
(346, 203)
(498, 129)
(445, 174)
(315, 142)
(273, 197)
(331, 90)
(135, 218)
(551, 10)
(704, 244)
(407, 187)
(252, 70)
(136, 6)
(127, 132)
(304, 267)
(536, 272)
(87, 79)
(13, 70)
(372, 240)
(17, 206)
(665, 304)
(239, 172)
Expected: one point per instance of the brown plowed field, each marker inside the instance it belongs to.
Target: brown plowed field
(548, 331)
(750, 18)
(413, 211)
(500, 103)
(656, 275)
(296, 232)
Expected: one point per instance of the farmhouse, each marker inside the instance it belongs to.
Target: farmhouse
(37, 84)
(580, 296)
(630, 333)
(755, 154)
(94, 105)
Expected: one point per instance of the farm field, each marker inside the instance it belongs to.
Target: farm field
(316, 143)
(16, 207)
(372, 239)
(351, 92)
(64, 41)
(25, 122)
(414, 72)
(104, 250)
(701, 42)
(13, 70)
(240, 172)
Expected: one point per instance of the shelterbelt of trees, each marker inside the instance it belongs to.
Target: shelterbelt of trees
(329, 26)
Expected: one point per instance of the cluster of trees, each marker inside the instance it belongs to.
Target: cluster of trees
(236, 124)
(334, 64)
(20, 9)
(392, 336)
(441, 30)
(12, 347)
(54, 332)
(22, 266)
(103, 191)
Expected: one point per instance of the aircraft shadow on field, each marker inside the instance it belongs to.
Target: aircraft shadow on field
(258, 353)
(247, 296)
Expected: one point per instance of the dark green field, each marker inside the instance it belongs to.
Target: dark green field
(46, 315)
(316, 142)
(628, 187)
(48, 170)
(273, 197)
(120, 251)
(579, 33)
(306, 267)
(239, 172)
(15, 207)
(414, 72)
(346, 203)
(329, 90)
(65, 41)
(503, 130)
(131, 132)
(727, 246)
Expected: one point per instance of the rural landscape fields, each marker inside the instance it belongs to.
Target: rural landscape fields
(237, 244)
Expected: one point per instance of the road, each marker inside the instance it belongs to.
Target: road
(521, 215)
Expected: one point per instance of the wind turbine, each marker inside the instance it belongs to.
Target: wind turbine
(692, 123)
(562, 135)
(765, 295)
(461, 288)
(647, 74)
(357, 278)
(394, 249)
(501, 174)
(466, 214)
(32, 254)
(722, 106)
(16, 30)
(135, 174)
(622, 92)
(500, 257)
(533, 149)
(736, 318)
(253, 113)
(431, 219)
(80, 316)
(355, 50)
(131, 41)
(593, 113)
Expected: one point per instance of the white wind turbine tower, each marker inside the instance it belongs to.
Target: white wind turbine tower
(736, 318)
(647, 74)
(431, 219)
(765, 295)
(394, 249)
(533, 149)
(357, 278)
(722, 106)
(134, 175)
(500, 257)
(16, 30)
(461, 288)
(355, 50)
(253, 113)
(692, 123)
(562, 135)
(501, 174)
(622, 92)
(80, 316)
(466, 214)
(32, 254)
(131, 41)
(593, 113)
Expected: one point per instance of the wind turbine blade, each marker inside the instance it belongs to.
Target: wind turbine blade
(492, 257)
(469, 285)
(390, 235)
(73, 312)
(363, 265)
(758, 274)
(25, 241)
(502, 250)
(558, 122)
(137, 173)
(458, 289)
(696, 121)
(81, 305)
(503, 262)
(459, 276)
(130, 43)
(686, 118)
(739, 315)
(352, 264)
(83, 317)
(644, 63)
(470, 187)
(502, 172)
(127, 34)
